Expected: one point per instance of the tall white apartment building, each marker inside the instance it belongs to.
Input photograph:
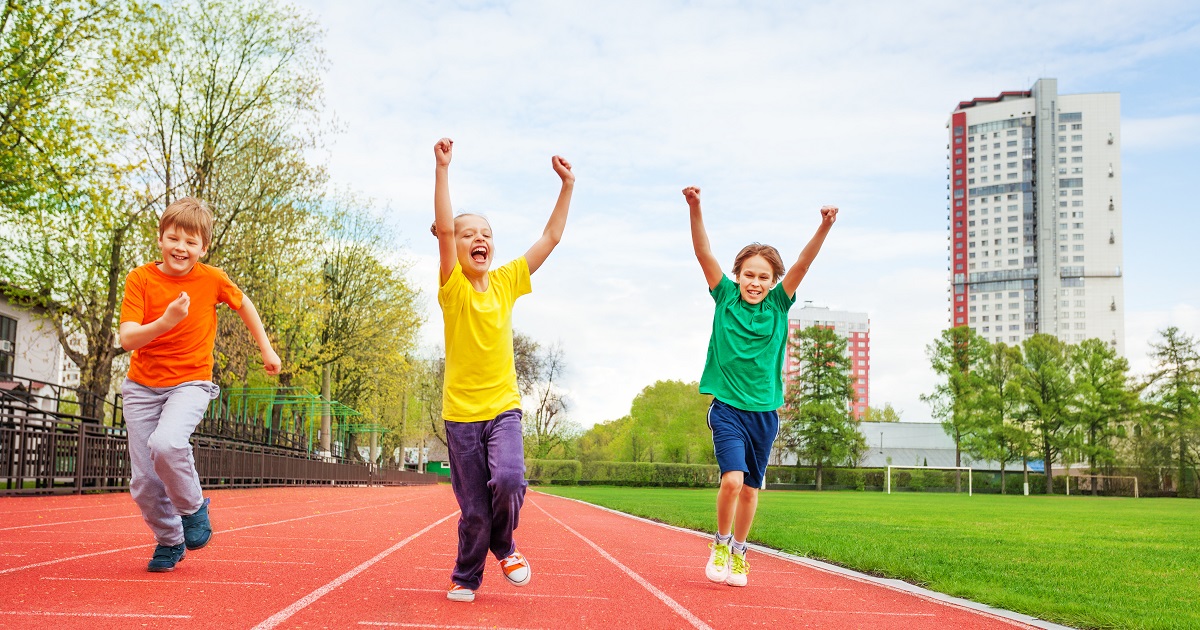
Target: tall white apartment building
(852, 326)
(1035, 216)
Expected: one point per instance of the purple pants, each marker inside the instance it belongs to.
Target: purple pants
(487, 472)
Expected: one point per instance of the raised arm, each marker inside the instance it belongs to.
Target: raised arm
(541, 249)
(250, 317)
(794, 275)
(443, 212)
(135, 335)
(708, 262)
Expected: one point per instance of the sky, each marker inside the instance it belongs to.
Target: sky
(773, 109)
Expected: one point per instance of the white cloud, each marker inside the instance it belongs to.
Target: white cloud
(774, 109)
(1156, 134)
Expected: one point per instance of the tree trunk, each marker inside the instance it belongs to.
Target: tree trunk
(1003, 487)
(957, 462)
(1182, 458)
(1092, 463)
(1046, 464)
(819, 475)
(326, 420)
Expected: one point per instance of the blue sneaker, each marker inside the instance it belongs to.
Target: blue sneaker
(165, 558)
(197, 531)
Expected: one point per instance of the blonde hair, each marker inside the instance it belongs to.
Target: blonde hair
(190, 215)
(433, 226)
(769, 254)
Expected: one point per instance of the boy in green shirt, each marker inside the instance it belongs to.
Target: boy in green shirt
(744, 374)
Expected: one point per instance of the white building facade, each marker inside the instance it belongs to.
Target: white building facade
(29, 347)
(1035, 216)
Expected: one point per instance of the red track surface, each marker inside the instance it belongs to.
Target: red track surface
(381, 557)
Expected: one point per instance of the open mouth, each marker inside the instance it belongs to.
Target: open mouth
(179, 258)
(479, 254)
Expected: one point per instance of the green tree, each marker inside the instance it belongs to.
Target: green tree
(817, 424)
(1173, 393)
(63, 66)
(1105, 401)
(1001, 436)
(956, 357)
(1048, 393)
(666, 423)
(887, 413)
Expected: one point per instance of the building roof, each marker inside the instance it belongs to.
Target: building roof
(983, 100)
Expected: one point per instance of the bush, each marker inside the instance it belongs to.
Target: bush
(651, 474)
(553, 471)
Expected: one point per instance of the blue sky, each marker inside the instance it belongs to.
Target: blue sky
(773, 109)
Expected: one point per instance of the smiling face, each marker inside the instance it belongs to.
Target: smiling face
(473, 242)
(755, 279)
(181, 250)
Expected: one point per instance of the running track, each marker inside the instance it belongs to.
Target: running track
(381, 558)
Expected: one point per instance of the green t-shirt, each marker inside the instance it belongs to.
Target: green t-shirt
(744, 368)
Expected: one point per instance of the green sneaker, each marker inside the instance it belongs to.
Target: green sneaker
(717, 569)
(739, 572)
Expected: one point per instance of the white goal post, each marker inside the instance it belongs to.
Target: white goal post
(1087, 476)
(966, 468)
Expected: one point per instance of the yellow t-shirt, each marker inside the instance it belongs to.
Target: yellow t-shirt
(481, 380)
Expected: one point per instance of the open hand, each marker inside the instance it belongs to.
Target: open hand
(177, 309)
(443, 151)
(828, 214)
(692, 194)
(563, 168)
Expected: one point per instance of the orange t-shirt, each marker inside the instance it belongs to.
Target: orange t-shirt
(183, 353)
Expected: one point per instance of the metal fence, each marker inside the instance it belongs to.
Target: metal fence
(46, 451)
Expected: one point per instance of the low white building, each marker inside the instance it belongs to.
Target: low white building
(29, 347)
(905, 444)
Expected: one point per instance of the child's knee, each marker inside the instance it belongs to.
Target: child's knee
(162, 444)
(508, 482)
(732, 480)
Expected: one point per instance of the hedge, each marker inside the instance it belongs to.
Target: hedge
(572, 472)
(553, 471)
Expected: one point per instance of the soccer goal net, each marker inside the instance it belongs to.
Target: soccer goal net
(920, 476)
(1107, 485)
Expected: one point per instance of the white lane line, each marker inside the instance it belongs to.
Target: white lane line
(224, 531)
(256, 561)
(302, 603)
(86, 520)
(758, 584)
(397, 624)
(448, 569)
(181, 583)
(833, 612)
(307, 539)
(663, 597)
(545, 595)
(42, 613)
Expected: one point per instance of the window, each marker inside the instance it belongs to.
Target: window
(8, 344)
(1077, 138)
(1076, 126)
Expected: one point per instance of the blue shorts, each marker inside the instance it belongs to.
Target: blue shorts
(742, 440)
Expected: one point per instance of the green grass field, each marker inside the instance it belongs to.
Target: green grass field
(1079, 561)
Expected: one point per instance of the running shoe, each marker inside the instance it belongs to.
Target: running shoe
(197, 530)
(516, 569)
(460, 594)
(739, 572)
(165, 558)
(717, 569)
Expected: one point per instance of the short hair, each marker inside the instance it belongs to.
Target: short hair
(190, 215)
(433, 226)
(769, 254)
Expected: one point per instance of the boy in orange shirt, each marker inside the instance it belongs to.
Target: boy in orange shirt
(169, 323)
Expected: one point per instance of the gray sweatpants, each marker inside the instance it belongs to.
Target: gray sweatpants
(164, 483)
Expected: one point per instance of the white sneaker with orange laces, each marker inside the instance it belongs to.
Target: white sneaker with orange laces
(460, 594)
(516, 569)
